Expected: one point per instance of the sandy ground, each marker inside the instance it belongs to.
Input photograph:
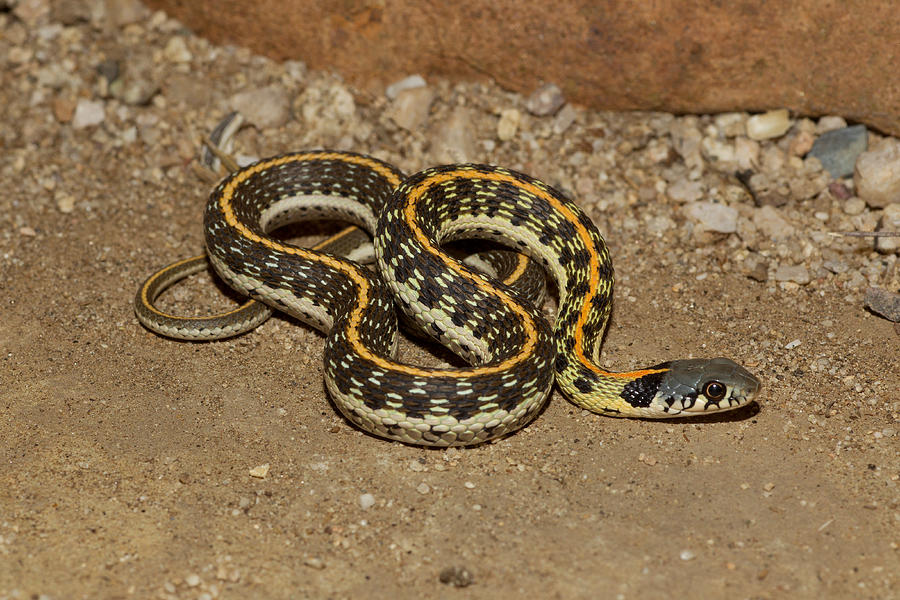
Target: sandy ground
(127, 458)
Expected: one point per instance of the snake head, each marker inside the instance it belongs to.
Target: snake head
(703, 386)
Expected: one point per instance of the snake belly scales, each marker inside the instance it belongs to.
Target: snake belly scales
(513, 353)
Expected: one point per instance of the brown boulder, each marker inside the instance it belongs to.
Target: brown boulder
(684, 56)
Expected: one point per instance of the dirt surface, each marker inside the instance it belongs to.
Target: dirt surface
(128, 459)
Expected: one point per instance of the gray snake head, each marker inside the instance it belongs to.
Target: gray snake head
(705, 385)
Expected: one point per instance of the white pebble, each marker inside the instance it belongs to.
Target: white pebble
(65, 203)
(260, 472)
(772, 124)
(798, 274)
(407, 83)
(731, 124)
(718, 150)
(792, 345)
(366, 501)
(684, 190)
(88, 113)
(176, 50)
(769, 221)
(877, 174)
(713, 217)
(410, 108)
(830, 123)
(746, 153)
(546, 100)
(423, 488)
(854, 206)
(890, 221)
(193, 580)
(687, 555)
(508, 124)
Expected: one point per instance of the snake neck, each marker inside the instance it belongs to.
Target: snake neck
(578, 338)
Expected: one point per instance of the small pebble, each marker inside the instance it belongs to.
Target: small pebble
(877, 175)
(109, 69)
(838, 149)
(746, 153)
(830, 123)
(854, 206)
(456, 576)
(889, 223)
(423, 488)
(684, 190)
(545, 101)
(564, 119)
(65, 203)
(410, 108)
(314, 562)
(802, 143)
(508, 124)
(772, 124)
(839, 190)
(687, 555)
(176, 50)
(731, 124)
(407, 83)
(792, 345)
(719, 218)
(796, 273)
(192, 580)
(366, 501)
(139, 82)
(772, 224)
(88, 113)
(836, 266)
(756, 267)
(260, 472)
(64, 109)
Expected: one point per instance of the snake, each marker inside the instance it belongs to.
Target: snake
(513, 355)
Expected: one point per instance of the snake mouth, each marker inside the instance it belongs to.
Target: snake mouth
(735, 400)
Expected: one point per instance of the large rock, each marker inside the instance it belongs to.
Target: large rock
(683, 56)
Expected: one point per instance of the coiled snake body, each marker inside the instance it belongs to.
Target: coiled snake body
(515, 356)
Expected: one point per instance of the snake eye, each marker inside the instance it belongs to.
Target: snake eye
(714, 390)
